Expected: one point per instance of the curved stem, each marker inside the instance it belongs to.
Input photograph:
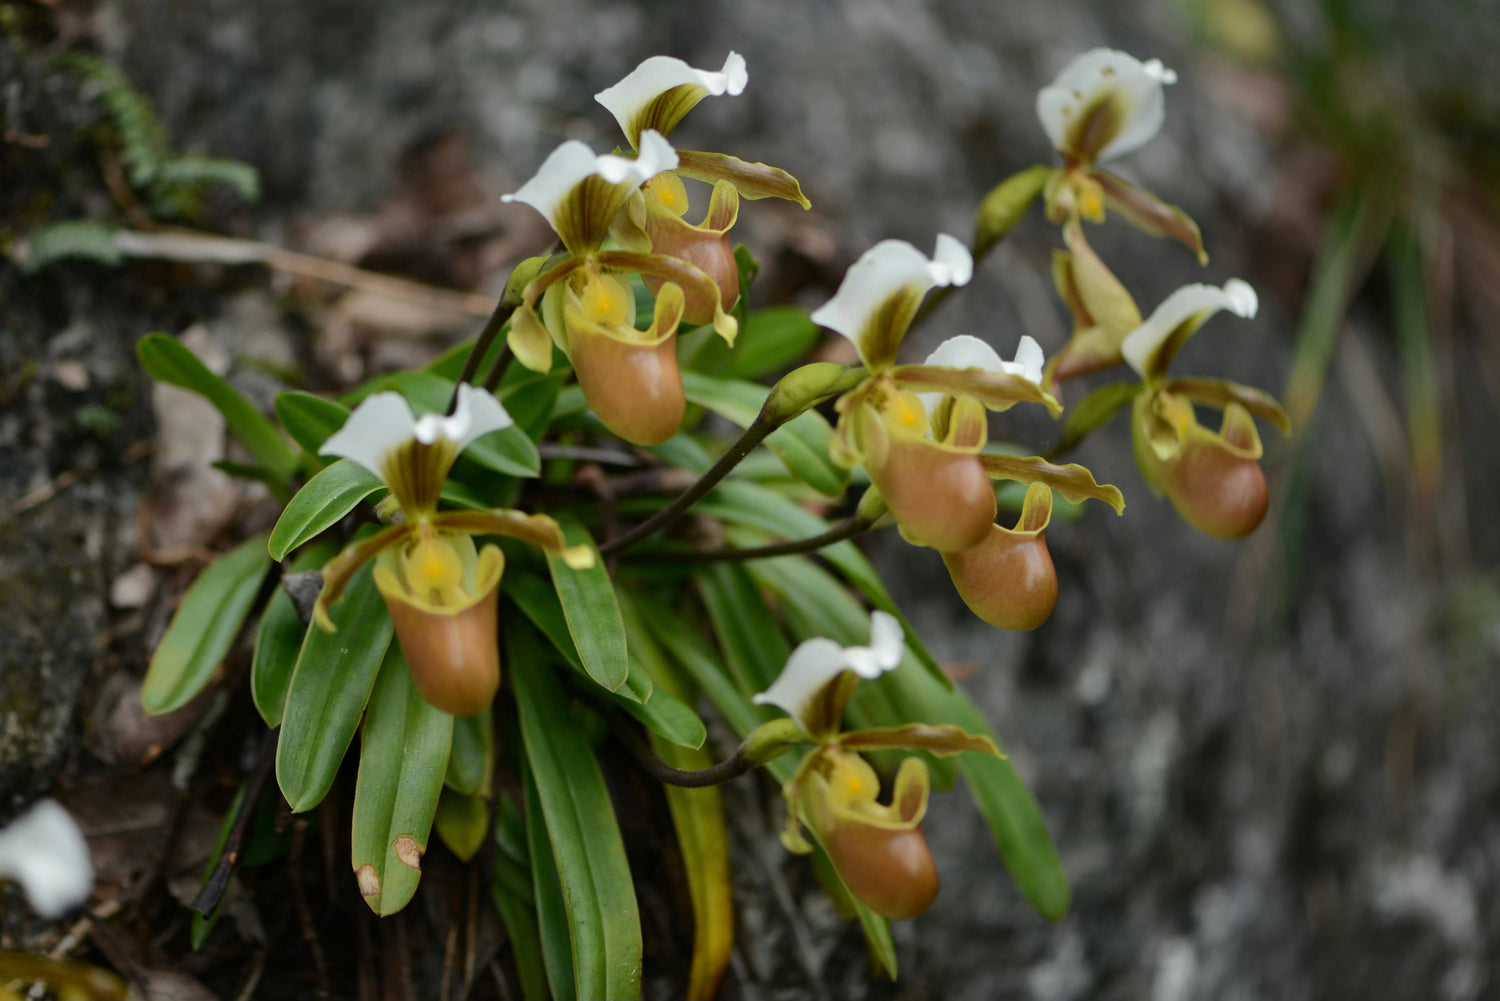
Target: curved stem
(846, 529)
(492, 328)
(752, 436)
(497, 370)
(730, 768)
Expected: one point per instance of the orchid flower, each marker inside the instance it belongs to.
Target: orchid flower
(877, 848)
(440, 590)
(802, 688)
(1103, 105)
(629, 376)
(1213, 479)
(919, 429)
(44, 851)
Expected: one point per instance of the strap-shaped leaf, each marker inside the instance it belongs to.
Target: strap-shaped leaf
(553, 927)
(1073, 481)
(471, 763)
(204, 626)
(322, 503)
(703, 838)
(167, 360)
(515, 898)
(588, 603)
(747, 503)
(461, 822)
(403, 755)
(279, 641)
(581, 828)
(1220, 393)
(802, 443)
(310, 420)
(330, 686)
(746, 631)
(660, 711)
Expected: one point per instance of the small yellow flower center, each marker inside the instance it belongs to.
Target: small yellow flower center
(906, 411)
(435, 570)
(669, 190)
(604, 302)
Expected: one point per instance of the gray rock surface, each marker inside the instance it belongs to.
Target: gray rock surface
(1271, 768)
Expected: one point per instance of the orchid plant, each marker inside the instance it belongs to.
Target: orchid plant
(520, 499)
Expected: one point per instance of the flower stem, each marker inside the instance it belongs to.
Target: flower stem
(732, 767)
(797, 392)
(846, 529)
(743, 446)
(492, 328)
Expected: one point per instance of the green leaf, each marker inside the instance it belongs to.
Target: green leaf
(403, 755)
(74, 239)
(310, 420)
(330, 686)
(747, 503)
(588, 603)
(802, 444)
(703, 838)
(515, 898)
(471, 762)
(203, 924)
(581, 827)
(1093, 412)
(322, 503)
(660, 711)
(204, 626)
(279, 641)
(553, 926)
(772, 339)
(462, 821)
(166, 360)
(747, 632)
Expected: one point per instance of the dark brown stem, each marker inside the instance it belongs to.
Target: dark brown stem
(497, 370)
(753, 436)
(218, 880)
(730, 768)
(492, 328)
(846, 529)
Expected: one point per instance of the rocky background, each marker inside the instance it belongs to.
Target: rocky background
(1272, 768)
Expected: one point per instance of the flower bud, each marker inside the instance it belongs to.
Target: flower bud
(1008, 579)
(442, 597)
(941, 495)
(878, 850)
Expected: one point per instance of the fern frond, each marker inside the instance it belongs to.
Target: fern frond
(80, 239)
